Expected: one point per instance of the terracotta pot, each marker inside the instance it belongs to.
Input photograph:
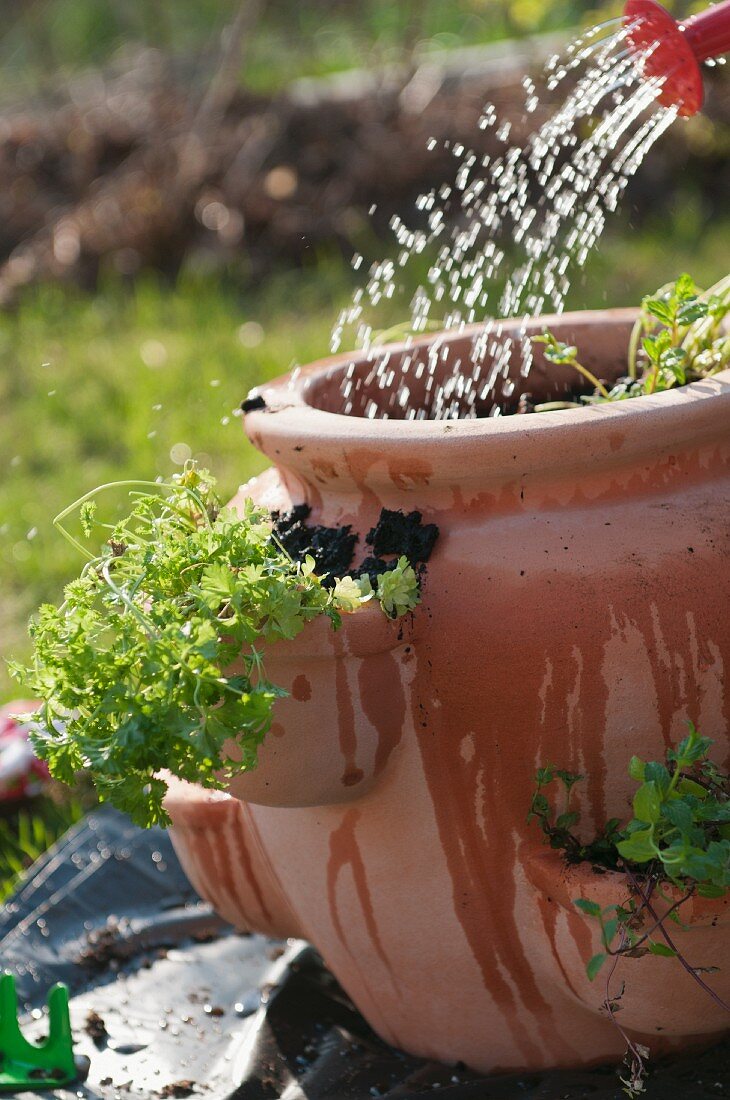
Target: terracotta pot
(574, 611)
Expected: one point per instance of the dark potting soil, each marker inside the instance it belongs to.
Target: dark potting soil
(105, 946)
(288, 1027)
(333, 548)
(400, 533)
(373, 568)
(253, 403)
(95, 1028)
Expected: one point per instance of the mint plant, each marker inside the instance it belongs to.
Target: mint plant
(155, 659)
(561, 354)
(678, 837)
(678, 338)
(679, 834)
(680, 330)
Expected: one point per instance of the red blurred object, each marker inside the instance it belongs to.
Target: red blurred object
(22, 774)
(674, 51)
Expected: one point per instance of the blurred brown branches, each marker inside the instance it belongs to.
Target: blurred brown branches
(137, 169)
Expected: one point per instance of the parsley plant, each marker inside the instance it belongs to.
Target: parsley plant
(155, 659)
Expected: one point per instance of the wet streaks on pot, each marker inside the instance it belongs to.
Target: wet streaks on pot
(352, 774)
(479, 856)
(549, 913)
(244, 858)
(383, 701)
(345, 852)
(222, 853)
(561, 699)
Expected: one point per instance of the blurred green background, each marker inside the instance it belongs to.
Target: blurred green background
(291, 40)
(127, 377)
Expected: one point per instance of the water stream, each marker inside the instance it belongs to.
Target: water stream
(524, 220)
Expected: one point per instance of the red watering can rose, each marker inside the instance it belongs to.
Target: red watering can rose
(673, 52)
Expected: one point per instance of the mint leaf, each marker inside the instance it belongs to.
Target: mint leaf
(637, 768)
(647, 803)
(659, 308)
(639, 847)
(663, 950)
(590, 908)
(594, 965)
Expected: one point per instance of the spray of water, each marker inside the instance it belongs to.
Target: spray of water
(526, 219)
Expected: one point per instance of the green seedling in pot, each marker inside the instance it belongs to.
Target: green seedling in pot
(28, 1066)
(680, 336)
(676, 846)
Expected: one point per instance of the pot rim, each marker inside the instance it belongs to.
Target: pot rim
(299, 437)
(565, 881)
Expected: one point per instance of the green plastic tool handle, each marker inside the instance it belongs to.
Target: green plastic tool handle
(25, 1065)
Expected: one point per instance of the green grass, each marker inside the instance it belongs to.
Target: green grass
(97, 389)
(290, 39)
(44, 42)
(27, 833)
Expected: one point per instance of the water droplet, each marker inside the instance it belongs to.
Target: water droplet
(153, 353)
(548, 197)
(250, 334)
(180, 453)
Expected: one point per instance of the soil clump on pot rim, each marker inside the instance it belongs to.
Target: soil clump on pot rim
(333, 548)
(400, 533)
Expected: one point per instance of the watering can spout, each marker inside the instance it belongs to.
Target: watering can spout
(672, 52)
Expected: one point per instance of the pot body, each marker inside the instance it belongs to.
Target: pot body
(574, 611)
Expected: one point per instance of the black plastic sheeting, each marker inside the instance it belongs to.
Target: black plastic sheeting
(184, 1006)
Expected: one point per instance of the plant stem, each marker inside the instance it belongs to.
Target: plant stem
(157, 485)
(639, 1067)
(653, 379)
(634, 346)
(590, 377)
(131, 606)
(657, 924)
(675, 778)
(668, 940)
